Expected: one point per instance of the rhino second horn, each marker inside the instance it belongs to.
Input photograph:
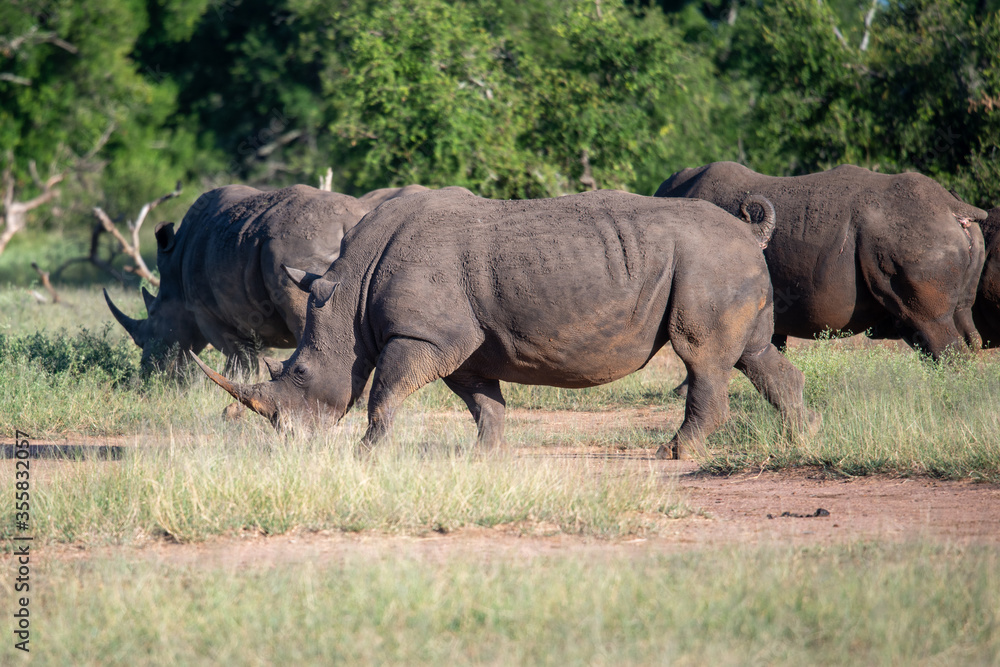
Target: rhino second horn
(130, 325)
(274, 367)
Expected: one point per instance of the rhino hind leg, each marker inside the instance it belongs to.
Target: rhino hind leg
(486, 403)
(966, 327)
(781, 384)
(706, 409)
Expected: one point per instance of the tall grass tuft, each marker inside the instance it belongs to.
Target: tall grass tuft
(884, 411)
(243, 478)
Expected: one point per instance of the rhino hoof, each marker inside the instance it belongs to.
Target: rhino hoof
(667, 453)
(674, 453)
(233, 411)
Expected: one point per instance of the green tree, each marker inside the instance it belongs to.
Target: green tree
(73, 101)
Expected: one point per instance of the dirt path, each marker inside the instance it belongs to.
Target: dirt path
(730, 512)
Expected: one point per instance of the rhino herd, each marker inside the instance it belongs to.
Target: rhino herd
(414, 285)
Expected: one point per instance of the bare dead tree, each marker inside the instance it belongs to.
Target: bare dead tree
(15, 213)
(93, 257)
(326, 181)
(734, 7)
(869, 17)
(130, 249)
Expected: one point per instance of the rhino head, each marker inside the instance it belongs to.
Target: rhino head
(169, 329)
(319, 381)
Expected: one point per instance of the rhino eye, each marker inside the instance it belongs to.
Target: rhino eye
(300, 373)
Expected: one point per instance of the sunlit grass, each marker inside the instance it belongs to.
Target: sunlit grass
(858, 604)
(240, 478)
(883, 411)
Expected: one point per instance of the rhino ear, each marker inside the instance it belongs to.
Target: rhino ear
(148, 298)
(323, 289)
(302, 279)
(165, 236)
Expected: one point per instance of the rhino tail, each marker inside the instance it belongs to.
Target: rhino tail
(765, 228)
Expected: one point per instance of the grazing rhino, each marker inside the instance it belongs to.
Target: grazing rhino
(855, 250)
(220, 280)
(569, 292)
(986, 310)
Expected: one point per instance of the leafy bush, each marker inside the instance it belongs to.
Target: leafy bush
(83, 353)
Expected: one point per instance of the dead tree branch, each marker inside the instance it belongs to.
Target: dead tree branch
(15, 213)
(13, 78)
(869, 17)
(94, 257)
(44, 276)
(9, 45)
(132, 249)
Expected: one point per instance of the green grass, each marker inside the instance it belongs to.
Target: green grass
(884, 411)
(244, 479)
(859, 604)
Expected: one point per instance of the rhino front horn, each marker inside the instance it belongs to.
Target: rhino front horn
(131, 326)
(248, 396)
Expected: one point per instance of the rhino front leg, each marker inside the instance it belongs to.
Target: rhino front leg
(486, 403)
(404, 365)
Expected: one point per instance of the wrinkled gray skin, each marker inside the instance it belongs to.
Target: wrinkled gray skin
(856, 250)
(220, 280)
(986, 310)
(569, 292)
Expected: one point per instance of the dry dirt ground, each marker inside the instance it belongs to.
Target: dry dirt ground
(734, 511)
(759, 509)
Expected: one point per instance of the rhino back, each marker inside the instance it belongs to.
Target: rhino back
(233, 241)
(832, 224)
(579, 283)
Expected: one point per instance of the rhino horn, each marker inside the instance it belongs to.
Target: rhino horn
(274, 367)
(762, 230)
(131, 326)
(251, 396)
(148, 298)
